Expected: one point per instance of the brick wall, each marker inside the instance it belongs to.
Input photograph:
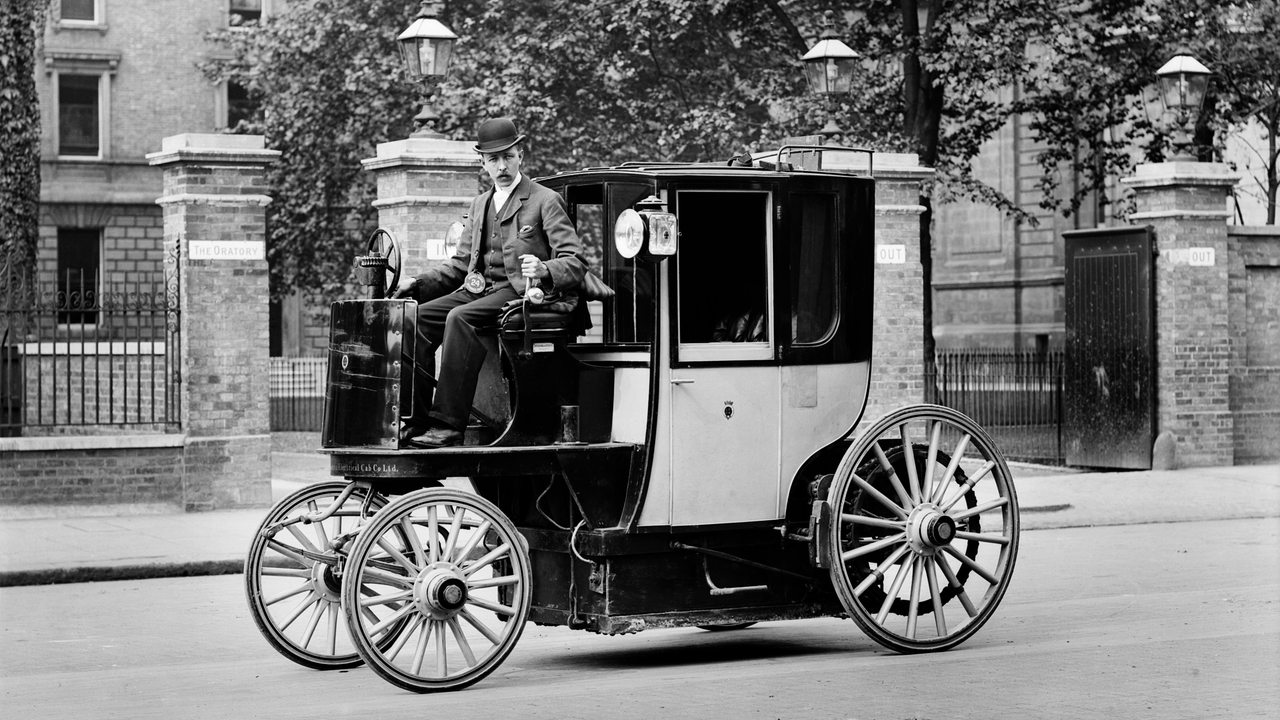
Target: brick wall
(897, 360)
(91, 471)
(1254, 319)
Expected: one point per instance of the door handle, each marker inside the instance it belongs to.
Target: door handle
(682, 381)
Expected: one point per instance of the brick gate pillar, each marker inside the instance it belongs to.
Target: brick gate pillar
(215, 214)
(424, 185)
(897, 356)
(1186, 203)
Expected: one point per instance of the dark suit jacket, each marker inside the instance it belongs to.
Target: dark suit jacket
(533, 222)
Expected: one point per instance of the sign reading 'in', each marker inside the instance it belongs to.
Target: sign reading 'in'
(227, 250)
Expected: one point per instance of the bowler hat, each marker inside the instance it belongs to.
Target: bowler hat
(496, 135)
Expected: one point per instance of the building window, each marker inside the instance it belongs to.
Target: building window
(79, 115)
(85, 11)
(239, 106)
(244, 12)
(79, 263)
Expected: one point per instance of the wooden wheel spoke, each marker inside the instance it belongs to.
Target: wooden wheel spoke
(302, 538)
(386, 578)
(433, 535)
(480, 626)
(872, 521)
(488, 559)
(964, 560)
(913, 604)
(394, 553)
(333, 628)
(954, 582)
(893, 475)
(313, 622)
(873, 547)
(270, 571)
(304, 587)
(421, 556)
(909, 457)
(878, 573)
(935, 437)
(311, 597)
(884, 499)
(442, 658)
(394, 651)
(496, 581)
(472, 542)
(979, 509)
(982, 537)
(385, 599)
(895, 586)
(492, 606)
(455, 531)
(390, 621)
(956, 456)
(968, 485)
(461, 640)
(420, 652)
(290, 552)
(939, 622)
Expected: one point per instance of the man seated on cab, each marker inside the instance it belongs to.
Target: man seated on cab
(516, 232)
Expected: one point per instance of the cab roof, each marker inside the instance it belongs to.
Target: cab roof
(788, 161)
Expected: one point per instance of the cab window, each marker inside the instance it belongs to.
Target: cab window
(814, 266)
(722, 277)
(628, 316)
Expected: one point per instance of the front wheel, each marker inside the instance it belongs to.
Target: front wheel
(447, 575)
(293, 574)
(924, 529)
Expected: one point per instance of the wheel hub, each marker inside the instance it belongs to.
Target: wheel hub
(928, 529)
(325, 582)
(440, 591)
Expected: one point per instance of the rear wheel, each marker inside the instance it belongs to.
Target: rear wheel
(924, 531)
(446, 575)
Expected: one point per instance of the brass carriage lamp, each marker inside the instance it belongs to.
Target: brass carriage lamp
(828, 67)
(1183, 83)
(427, 47)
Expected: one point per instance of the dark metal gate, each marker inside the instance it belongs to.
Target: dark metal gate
(1109, 381)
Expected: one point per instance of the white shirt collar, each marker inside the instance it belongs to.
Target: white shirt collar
(500, 196)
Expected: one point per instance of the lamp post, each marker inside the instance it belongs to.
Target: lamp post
(828, 68)
(426, 47)
(1183, 82)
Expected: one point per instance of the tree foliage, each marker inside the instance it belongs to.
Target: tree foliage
(20, 20)
(597, 82)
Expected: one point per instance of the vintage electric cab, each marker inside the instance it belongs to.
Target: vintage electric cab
(689, 451)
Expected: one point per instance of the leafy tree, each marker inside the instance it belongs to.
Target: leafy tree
(327, 81)
(20, 20)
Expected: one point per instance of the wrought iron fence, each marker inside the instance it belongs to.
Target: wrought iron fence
(1015, 395)
(297, 393)
(74, 352)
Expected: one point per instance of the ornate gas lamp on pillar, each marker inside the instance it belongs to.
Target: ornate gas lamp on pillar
(426, 47)
(828, 68)
(1183, 82)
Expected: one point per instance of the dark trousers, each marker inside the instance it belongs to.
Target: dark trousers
(453, 320)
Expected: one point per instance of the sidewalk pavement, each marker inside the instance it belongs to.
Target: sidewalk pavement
(77, 549)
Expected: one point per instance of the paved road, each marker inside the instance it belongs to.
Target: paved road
(1171, 620)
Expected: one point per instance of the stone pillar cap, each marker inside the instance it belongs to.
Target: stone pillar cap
(1181, 172)
(423, 151)
(213, 147)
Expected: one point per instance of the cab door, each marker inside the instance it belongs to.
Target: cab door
(723, 380)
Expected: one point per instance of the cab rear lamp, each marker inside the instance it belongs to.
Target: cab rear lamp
(652, 232)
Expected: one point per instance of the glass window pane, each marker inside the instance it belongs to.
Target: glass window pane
(814, 264)
(239, 106)
(78, 10)
(245, 11)
(629, 317)
(78, 115)
(79, 251)
(723, 282)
